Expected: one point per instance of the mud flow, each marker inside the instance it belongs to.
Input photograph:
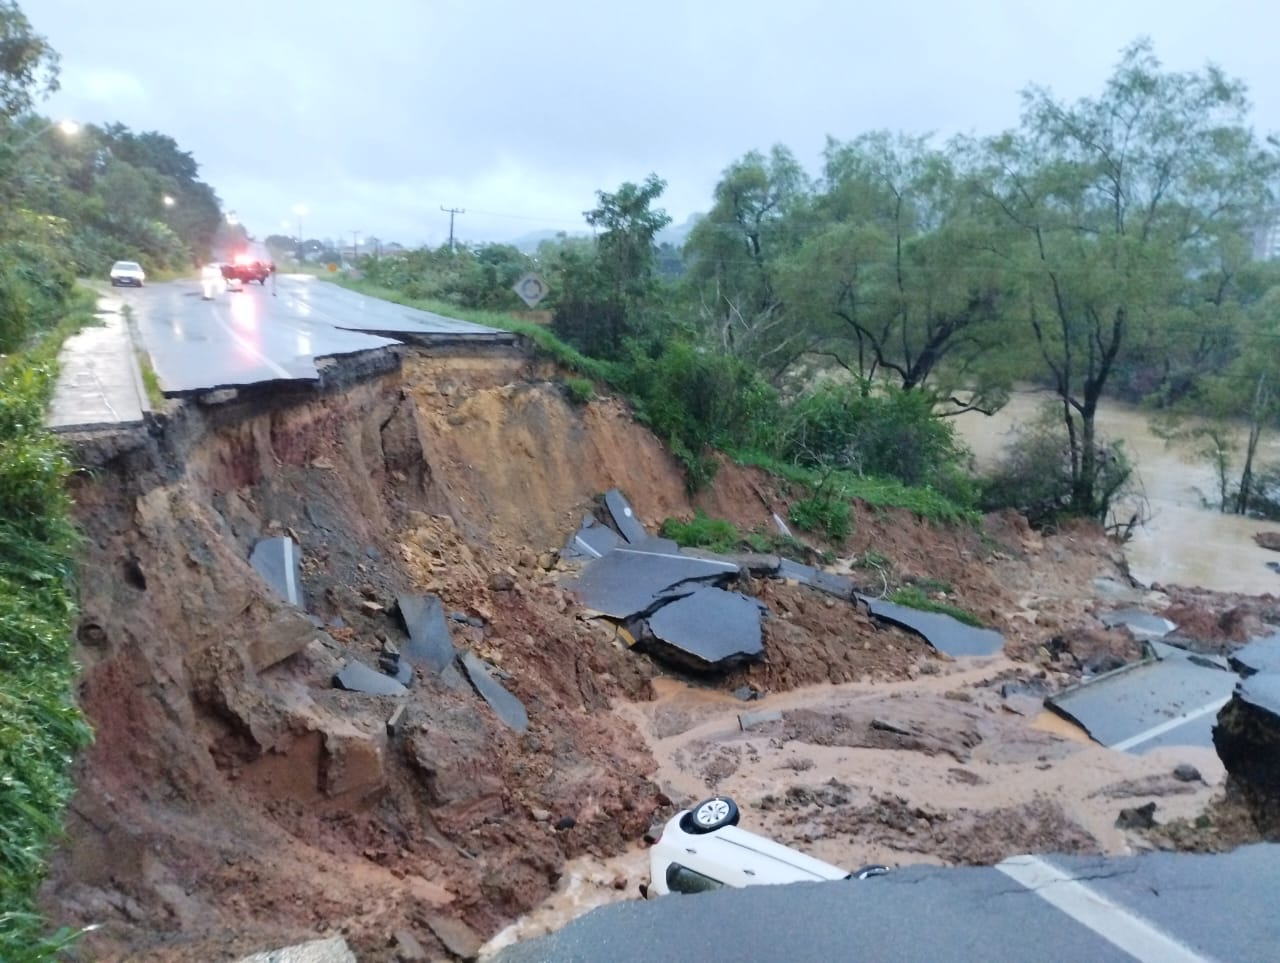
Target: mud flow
(235, 800)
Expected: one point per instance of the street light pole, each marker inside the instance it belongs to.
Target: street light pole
(300, 210)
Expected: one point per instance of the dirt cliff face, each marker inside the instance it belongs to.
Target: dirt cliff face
(234, 800)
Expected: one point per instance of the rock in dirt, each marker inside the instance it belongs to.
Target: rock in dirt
(754, 720)
(333, 950)
(1137, 817)
(407, 947)
(1269, 540)
(358, 677)
(458, 938)
(1185, 772)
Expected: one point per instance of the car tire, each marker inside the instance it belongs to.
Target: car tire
(866, 872)
(711, 814)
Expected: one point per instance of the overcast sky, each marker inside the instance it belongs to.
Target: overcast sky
(375, 114)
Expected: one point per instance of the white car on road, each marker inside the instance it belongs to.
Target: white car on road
(702, 849)
(127, 272)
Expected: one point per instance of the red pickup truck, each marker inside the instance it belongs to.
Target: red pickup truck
(248, 267)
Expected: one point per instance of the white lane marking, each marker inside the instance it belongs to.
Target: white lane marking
(1169, 725)
(727, 566)
(290, 584)
(249, 346)
(1117, 925)
(582, 544)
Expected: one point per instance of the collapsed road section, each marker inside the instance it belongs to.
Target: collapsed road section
(676, 603)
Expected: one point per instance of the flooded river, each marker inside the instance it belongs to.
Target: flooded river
(1182, 542)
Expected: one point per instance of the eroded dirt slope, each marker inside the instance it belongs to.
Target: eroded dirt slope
(234, 801)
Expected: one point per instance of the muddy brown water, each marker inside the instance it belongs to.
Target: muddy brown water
(1182, 542)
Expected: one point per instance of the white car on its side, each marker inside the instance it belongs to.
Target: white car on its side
(127, 272)
(702, 849)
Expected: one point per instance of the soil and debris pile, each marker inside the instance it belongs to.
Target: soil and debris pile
(236, 799)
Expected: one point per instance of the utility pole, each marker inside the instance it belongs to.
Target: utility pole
(451, 211)
(355, 246)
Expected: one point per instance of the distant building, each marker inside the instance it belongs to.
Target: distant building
(1266, 241)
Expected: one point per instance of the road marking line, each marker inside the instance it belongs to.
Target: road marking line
(290, 584)
(727, 566)
(1117, 925)
(250, 347)
(1169, 725)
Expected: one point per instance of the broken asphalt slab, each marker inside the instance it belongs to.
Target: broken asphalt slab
(624, 517)
(1142, 625)
(944, 633)
(429, 641)
(1247, 739)
(628, 582)
(823, 581)
(712, 626)
(1169, 701)
(1260, 655)
(591, 540)
(358, 677)
(1027, 908)
(279, 563)
(504, 705)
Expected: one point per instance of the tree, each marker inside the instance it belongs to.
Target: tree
(734, 252)
(900, 280)
(607, 290)
(28, 65)
(1110, 204)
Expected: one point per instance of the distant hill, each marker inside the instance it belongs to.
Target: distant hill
(673, 234)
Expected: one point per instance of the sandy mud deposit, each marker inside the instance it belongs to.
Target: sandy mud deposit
(235, 800)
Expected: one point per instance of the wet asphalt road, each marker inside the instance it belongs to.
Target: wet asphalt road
(273, 333)
(1156, 908)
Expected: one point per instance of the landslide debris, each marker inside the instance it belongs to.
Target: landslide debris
(235, 800)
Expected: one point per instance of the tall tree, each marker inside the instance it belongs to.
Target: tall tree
(901, 279)
(28, 65)
(734, 252)
(1111, 202)
(607, 290)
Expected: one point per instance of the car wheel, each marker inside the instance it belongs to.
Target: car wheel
(875, 869)
(712, 814)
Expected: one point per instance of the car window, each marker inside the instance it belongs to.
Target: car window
(682, 879)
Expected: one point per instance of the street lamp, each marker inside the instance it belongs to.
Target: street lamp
(169, 201)
(301, 211)
(68, 128)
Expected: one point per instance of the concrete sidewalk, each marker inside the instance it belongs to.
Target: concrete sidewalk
(100, 385)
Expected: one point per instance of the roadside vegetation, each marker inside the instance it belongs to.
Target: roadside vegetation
(833, 321)
(40, 725)
(73, 199)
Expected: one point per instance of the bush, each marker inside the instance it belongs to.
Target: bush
(1036, 477)
(580, 390)
(716, 534)
(40, 727)
(698, 400)
(877, 432)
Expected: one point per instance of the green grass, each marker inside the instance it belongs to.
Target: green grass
(924, 502)
(721, 535)
(40, 725)
(914, 597)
